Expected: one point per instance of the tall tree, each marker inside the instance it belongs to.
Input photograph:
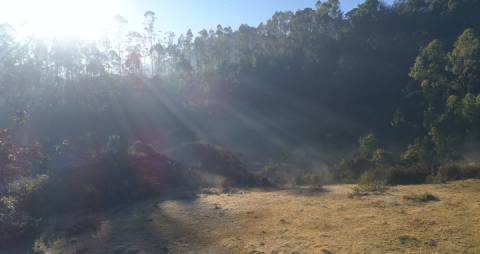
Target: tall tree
(120, 24)
(149, 27)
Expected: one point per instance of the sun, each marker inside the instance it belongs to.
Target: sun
(83, 19)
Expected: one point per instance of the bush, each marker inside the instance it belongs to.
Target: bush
(455, 172)
(470, 171)
(274, 173)
(111, 178)
(420, 152)
(425, 197)
(414, 174)
(213, 159)
(16, 161)
(371, 182)
(18, 187)
(350, 170)
(369, 156)
(16, 206)
(459, 172)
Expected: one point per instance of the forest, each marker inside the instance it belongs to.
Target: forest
(388, 94)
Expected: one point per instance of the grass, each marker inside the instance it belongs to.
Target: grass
(288, 222)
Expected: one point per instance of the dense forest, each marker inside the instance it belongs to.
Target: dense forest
(389, 89)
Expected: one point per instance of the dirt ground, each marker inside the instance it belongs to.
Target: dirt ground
(291, 221)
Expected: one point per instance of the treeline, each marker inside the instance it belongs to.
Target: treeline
(316, 77)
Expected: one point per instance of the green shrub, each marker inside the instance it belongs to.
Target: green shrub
(350, 170)
(371, 182)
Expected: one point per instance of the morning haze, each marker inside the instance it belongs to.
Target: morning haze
(255, 127)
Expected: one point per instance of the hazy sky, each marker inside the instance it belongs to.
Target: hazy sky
(179, 15)
(86, 17)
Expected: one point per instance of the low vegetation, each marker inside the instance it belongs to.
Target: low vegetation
(421, 198)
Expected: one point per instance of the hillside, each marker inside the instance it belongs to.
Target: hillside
(140, 140)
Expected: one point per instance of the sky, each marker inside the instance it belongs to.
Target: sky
(180, 15)
(85, 17)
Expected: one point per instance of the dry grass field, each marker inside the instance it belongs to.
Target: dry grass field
(292, 221)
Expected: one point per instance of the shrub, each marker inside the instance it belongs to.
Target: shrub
(371, 182)
(455, 172)
(213, 159)
(315, 180)
(420, 152)
(350, 170)
(425, 197)
(16, 161)
(414, 174)
(471, 171)
(17, 187)
(369, 156)
(112, 178)
(16, 220)
(274, 173)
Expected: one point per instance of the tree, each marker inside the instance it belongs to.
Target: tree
(429, 71)
(449, 82)
(120, 23)
(330, 8)
(149, 27)
(464, 63)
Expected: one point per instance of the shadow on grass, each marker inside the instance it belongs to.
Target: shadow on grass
(308, 191)
(182, 226)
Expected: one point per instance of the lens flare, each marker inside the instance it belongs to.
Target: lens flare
(59, 18)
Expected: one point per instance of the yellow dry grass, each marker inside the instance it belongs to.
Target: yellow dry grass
(293, 221)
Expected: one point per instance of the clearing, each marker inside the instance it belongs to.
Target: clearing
(289, 221)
